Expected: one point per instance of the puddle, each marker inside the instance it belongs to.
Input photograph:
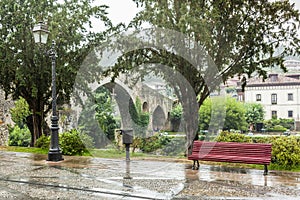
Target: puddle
(243, 176)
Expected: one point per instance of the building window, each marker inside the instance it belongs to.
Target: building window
(258, 97)
(290, 97)
(274, 114)
(274, 98)
(290, 113)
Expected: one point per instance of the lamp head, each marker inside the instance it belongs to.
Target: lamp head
(40, 33)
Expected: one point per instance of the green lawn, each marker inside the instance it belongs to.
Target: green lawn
(25, 149)
(101, 153)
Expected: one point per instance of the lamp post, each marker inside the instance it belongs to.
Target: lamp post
(40, 33)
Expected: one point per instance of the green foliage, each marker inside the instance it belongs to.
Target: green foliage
(279, 125)
(153, 143)
(175, 147)
(230, 90)
(24, 68)
(43, 142)
(75, 143)
(234, 34)
(276, 128)
(105, 113)
(140, 118)
(71, 143)
(286, 152)
(254, 113)
(20, 112)
(98, 118)
(19, 136)
(226, 136)
(264, 139)
(176, 116)
(205, 114)
(235, 114)
(176, 112)
(143, 117)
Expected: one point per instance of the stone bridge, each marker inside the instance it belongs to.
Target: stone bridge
(153, 101)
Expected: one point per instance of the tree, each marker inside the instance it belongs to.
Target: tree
(25, 70)
(97, 118)
(235, 114)
(20, 112)
(240, 36)
(176, 116)
(254, 113)
(105, 113)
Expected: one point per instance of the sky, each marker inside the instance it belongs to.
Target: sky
(121, 10)
(125, 10)
(297, 3)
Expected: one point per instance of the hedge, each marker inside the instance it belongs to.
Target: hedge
(285, 150)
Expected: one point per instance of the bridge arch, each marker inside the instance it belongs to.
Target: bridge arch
(158, 118)
(145, 107)
(120, 92)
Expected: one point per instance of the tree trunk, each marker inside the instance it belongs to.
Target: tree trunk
(35, 122)
(190, 116)
(190, 107)
(35, 128)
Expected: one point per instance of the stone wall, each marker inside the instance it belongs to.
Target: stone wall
(5, 118)
(3, 135)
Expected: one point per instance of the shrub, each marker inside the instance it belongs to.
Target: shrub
(19, 136)
(43, 142)
(175, 147)
(226, 136)
(259, 139)
(286, 152)
(75, 143)
(153, 143)
(277, 128)
(71, 143)
(20, 112)
(279, 124)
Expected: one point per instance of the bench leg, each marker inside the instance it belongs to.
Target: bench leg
(194, 162)
(266, 170)
(194, 165)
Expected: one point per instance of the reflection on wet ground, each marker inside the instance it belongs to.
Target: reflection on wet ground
(29, 176)
(248, 176)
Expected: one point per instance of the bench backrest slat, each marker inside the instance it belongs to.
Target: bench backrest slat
(227, 149)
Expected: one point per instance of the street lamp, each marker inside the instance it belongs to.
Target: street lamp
(40, 33)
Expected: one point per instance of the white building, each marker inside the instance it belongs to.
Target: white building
(279, 95)
(292, 65)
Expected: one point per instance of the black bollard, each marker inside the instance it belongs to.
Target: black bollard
(127, 140)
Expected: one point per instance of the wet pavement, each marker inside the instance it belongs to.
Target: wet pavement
(29, 176)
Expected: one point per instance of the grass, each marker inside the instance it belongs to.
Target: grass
(24, 149)
(274, 166)
(100, 153)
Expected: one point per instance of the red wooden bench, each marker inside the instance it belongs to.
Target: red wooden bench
(249, 153)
